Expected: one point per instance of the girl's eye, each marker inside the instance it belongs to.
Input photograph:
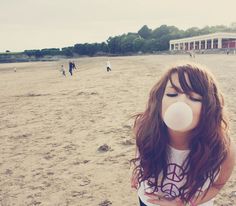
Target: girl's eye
(195, 99)
(172, 95)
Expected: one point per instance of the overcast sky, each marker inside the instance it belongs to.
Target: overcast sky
(37, 24)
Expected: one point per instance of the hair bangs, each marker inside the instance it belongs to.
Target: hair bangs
(190, 79)
(185, 87)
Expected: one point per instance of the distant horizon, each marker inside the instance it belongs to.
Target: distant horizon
(43, 24)
(108, 37)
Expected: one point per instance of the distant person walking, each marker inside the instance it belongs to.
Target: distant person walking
(108, 66)
(192, 54)
(71, 67)
(63, 70)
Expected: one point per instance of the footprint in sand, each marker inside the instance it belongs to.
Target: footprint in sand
(78, 194)
(85, 181)
(48, 156)
(105, 203)
(128, 142)
(104, 148)
(78, 162)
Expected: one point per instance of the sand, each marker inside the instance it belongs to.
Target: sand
(52, 126)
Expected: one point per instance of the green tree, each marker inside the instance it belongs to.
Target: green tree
(138, 44)
(67, 51)
(145, 32)
(114, 44)
(159, 32)
(127, 42)
(50, 51)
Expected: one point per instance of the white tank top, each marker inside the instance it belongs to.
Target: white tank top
(175, 179)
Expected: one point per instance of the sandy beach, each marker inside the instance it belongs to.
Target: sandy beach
(52, 128)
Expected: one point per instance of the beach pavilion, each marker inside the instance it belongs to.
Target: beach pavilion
(205, 42)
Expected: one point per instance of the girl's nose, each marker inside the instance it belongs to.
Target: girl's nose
(183, 98)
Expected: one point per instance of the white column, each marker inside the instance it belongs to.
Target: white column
(170, 47)
(183, 45)
(206, 44)
(219, 43)
(212, 42)
(194, 45)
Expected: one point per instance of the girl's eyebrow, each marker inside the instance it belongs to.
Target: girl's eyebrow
(176, 88)
(170, 86)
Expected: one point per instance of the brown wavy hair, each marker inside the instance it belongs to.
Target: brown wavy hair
(209, 141)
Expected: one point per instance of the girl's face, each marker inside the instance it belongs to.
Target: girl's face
(193, 100)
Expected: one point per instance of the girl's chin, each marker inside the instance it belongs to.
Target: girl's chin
(180, 131)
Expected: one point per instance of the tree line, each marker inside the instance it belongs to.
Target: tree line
(145, 40)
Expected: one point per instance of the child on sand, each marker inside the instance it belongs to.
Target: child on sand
(184, 155)
(63, 70)
(108, 66)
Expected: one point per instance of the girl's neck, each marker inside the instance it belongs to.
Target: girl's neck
(179, 140)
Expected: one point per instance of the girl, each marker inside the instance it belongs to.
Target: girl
(184, 155)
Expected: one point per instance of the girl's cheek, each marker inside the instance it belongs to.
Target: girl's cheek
(166, 102)
(197, 113)
(197, 109)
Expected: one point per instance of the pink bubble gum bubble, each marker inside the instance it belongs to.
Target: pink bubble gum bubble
(178, 116)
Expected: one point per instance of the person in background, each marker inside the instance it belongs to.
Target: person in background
(108, 66)
(73, 65)
(63, 70)
(71, 68)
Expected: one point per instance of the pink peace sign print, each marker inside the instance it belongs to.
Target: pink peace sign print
(170, 190)
(175, 172)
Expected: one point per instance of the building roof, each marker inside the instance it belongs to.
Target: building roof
(205, 37)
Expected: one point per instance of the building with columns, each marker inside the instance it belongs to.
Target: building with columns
(204, 42)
